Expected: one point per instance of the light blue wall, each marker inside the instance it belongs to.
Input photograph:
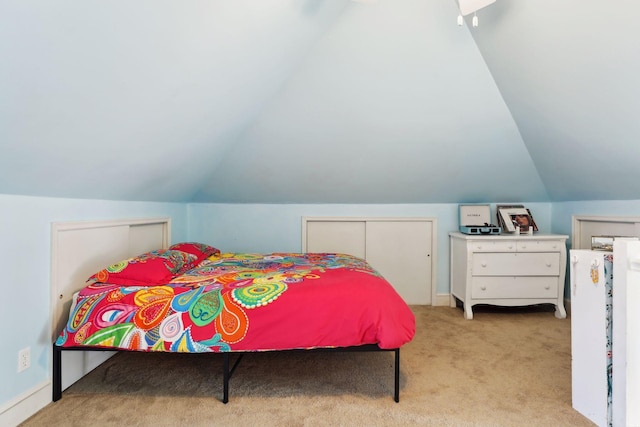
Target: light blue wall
(25, 253)
(562, 216)
(25, 233)
(266, 227)
(273, 228)
(562, 213)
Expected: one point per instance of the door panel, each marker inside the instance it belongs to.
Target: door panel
(401, 252)
(347, 237)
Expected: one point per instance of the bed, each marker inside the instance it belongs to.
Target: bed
(191, 298)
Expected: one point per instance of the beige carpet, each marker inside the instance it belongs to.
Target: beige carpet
(507, 367)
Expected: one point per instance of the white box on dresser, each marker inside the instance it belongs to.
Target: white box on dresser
(508, 270)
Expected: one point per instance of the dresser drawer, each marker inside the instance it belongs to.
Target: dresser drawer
(539, 246)
(516, 264)
(514, 287)
(493, 246)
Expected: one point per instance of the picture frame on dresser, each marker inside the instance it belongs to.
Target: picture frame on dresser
(533, 221)
(503, 217)
(510, 217)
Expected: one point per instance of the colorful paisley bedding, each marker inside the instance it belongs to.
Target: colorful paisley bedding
(246, 302)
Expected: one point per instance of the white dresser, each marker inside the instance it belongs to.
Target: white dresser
(508, 270)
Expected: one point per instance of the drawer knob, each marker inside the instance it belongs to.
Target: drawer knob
(510, 246)
(548, 264)
(547, 287)
(484, 264)
(479, 247)
(524, 246)
(484, 288)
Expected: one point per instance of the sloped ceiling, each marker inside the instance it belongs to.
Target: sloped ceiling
(318, 101)
(393, 104)
(570, 73)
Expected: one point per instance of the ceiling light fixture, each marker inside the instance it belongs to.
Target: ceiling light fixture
(471, 6)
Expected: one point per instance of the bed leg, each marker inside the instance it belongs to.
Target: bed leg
(225, 376)
(396, 391)
(57, 373)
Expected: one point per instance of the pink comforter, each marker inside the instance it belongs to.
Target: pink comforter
(246, 302)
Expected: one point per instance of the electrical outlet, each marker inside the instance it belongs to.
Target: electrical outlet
(24, 359)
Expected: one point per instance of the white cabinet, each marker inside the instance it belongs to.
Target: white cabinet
(605, 334)
(591, 332)
(508, 270)
(401, 249)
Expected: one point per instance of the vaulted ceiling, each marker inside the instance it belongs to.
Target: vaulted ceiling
(320, 101)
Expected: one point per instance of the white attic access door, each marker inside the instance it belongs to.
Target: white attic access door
(401, 249)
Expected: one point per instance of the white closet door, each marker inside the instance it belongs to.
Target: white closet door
(347, 237)
(401, 252)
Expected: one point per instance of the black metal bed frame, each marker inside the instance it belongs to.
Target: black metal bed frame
(226, 372)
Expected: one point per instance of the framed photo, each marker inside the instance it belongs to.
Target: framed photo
(512, 217)
(602, 243)
(533, 221)
(501, 221)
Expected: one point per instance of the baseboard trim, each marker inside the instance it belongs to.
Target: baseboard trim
(25, 405)
(442, 300)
